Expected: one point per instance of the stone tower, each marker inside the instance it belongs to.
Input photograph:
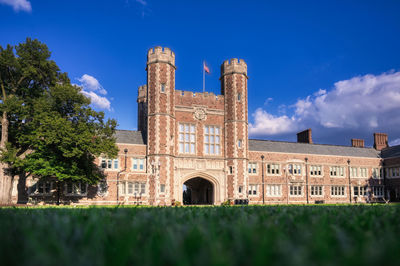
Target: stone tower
(234, 87)
(142, 111)
(161, 123)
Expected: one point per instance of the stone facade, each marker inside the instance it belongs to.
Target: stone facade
(194, 148)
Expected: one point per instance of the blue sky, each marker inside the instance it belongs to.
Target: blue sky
(329, 65)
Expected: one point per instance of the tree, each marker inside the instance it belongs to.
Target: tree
(48, 128)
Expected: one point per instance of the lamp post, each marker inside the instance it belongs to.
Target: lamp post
(348, 171)
(306, 159)
(126, 152)
(262, 169)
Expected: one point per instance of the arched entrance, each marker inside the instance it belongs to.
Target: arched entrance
(198, 191)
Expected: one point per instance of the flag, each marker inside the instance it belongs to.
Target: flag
(206, 69)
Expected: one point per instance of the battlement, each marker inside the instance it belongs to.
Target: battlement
(142, 93)
(234, 66)
(160, 54)
(189, 98)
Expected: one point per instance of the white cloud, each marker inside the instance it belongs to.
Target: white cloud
(98, 101)
(18, 5)
(91, 88)
(359, 105)
(90, 83)
(265, 122)
(395, 142)
(142, 2)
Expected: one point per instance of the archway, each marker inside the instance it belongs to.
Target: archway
(198, 191)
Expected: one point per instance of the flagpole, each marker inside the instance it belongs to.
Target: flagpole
(204, 79)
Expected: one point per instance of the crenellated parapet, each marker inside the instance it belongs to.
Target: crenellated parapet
(188, 98)
(234, 66)
(161, 55)
(142, 93)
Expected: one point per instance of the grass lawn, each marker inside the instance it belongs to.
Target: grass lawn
(251, 235)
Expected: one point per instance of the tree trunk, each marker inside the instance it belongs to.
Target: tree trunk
(6, 181)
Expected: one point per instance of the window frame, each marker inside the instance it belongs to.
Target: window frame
(207, 135)
(189, 142)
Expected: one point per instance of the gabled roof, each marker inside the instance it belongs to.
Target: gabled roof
(391, 152)
(129, 137)
(306, 148)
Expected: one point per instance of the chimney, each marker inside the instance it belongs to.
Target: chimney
(304, 136)
(380, 141)
(359, 143)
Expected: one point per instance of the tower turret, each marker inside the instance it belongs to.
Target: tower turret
(161, 121)
(142, 111)
(234, 87)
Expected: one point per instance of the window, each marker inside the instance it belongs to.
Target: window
(392, 172)
(42, 188)
(187, 138)
(315, 170)
(240, 143)
(252, 168)
(239, 97)
(338, 191)
(162, 188)
(274, 190)
(376, 173)
(253, 189)
(273, 169)
(240, 189)
(360, 191)
(353, 172)
(377, 191)
(132, 188)
(363, 172)
(212, 140)
(110, 164)
(138, 164)
(162, 87)
(294, 169)
(75, 189)
(316, 191)
(296, 190)
(231, 169)
(336, 171)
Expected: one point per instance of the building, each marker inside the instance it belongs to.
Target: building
(193, 148)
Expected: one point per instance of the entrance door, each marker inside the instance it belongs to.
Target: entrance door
(198, 191)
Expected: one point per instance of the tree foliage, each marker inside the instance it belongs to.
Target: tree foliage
(53, 132)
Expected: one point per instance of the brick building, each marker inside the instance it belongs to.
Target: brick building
(194, 148)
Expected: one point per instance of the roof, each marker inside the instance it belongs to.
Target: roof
(306, 148)
(129, 137)
(391, 152)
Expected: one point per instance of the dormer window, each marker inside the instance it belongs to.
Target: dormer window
(163, 87)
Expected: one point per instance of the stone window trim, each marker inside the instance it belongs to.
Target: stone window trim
(358, 172)
(377, 173)
(392, 172)
(42, 188)
(360, 191)
(253, 190)
(240, 144)
(317, 191)
(273, 169)
(187, 138)
(163, 88)
(162, 188)
(274, 190)
(252, 168)
(378, 191)
(337, 171)
(138, 164)
(109, 164)
(240, 189)
(239, 97)
(338, 191)
(212, 140)
(294, 169)
(316, 170)
(75, 189)
(132, 188)
(296, 190)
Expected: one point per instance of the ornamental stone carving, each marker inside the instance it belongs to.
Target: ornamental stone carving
(200, 113)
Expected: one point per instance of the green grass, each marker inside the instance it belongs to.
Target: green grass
(252, 235)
